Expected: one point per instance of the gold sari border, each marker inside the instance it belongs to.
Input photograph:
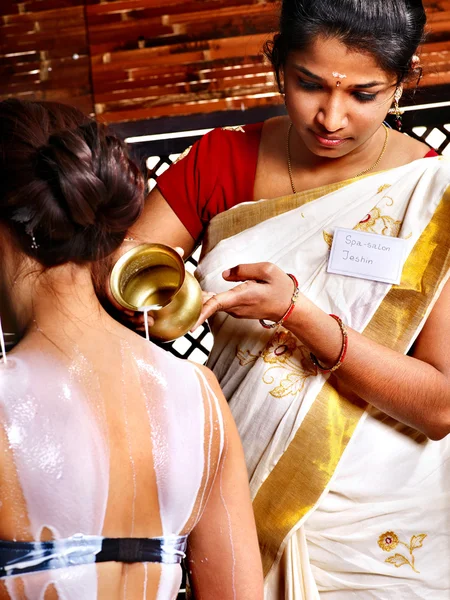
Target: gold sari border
(246, 215)
(305, 469)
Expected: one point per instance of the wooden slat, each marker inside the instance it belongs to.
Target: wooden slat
(160, 76)
(207, 50)
(73, 44)
(185, 88)
(132, 28)
(152, 8)
(56, 66)
(206, 106)
(54, 16)
(15, 7)
(163, 9)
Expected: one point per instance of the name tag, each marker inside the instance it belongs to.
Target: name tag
(367, 255)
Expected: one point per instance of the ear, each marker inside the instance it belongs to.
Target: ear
(398, 93)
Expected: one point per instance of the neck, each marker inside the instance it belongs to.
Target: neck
(59, 302)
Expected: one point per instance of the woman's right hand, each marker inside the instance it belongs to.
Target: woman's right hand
(264, 292)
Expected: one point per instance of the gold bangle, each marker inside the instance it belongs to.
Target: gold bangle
(342, 354)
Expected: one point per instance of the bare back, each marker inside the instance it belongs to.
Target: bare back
(117, 439)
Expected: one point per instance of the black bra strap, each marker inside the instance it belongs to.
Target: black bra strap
(17, 558)
(130, 550)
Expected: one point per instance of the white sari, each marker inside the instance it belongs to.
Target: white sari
(349, 503)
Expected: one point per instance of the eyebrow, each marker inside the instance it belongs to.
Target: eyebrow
(308, 73)
(363, 86)
(360, 86)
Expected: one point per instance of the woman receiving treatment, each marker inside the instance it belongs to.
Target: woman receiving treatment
(337, 374)
(112, 452)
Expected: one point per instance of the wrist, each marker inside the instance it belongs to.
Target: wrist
(290, 309)
(299, 316)
(325, 335)
(343, 351)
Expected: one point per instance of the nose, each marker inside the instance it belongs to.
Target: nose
(332, 114)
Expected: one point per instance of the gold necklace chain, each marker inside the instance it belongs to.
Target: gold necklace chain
(375, 164)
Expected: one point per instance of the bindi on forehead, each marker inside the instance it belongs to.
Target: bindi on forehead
(338, 76)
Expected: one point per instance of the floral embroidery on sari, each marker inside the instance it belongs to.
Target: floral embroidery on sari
(375, 222)
(389, 541)
(245, 357)
(328, 237)
(290, 364)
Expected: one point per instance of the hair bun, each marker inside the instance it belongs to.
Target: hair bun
(66, 164)
(68, 184)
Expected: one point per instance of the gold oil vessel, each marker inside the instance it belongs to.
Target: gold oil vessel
(153, 277)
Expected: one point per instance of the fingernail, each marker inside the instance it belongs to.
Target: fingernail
(226, 273)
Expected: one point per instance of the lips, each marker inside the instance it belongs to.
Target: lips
(329, 142)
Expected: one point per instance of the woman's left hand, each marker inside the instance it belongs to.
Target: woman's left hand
(265, 293)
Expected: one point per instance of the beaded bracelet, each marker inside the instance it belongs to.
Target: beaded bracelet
(343, 353)
(288, 313)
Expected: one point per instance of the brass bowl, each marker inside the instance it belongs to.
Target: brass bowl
(153, 277)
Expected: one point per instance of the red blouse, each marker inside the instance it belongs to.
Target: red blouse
(217, 173)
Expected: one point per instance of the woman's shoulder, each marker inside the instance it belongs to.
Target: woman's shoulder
(31, 364)
(275, 129)
(210, 381)
(217, 146)
(215, 173)
(244, 139)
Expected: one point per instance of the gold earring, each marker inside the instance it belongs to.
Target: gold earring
(397, 110)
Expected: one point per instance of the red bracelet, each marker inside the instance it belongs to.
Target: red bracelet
(288, 313)
(343, 353)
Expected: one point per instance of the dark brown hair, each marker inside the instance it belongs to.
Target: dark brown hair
(68, 189)
(389, 30)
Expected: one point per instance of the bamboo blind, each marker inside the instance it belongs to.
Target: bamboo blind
(139, 59)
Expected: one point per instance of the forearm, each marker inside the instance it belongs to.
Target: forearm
(415, 391)
(410, 390)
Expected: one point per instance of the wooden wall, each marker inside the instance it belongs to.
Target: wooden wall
(44, 51)
(198, 56)
(139, 59)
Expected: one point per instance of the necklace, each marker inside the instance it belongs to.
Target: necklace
(375, 164)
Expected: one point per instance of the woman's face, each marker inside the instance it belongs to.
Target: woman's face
(336, 97)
